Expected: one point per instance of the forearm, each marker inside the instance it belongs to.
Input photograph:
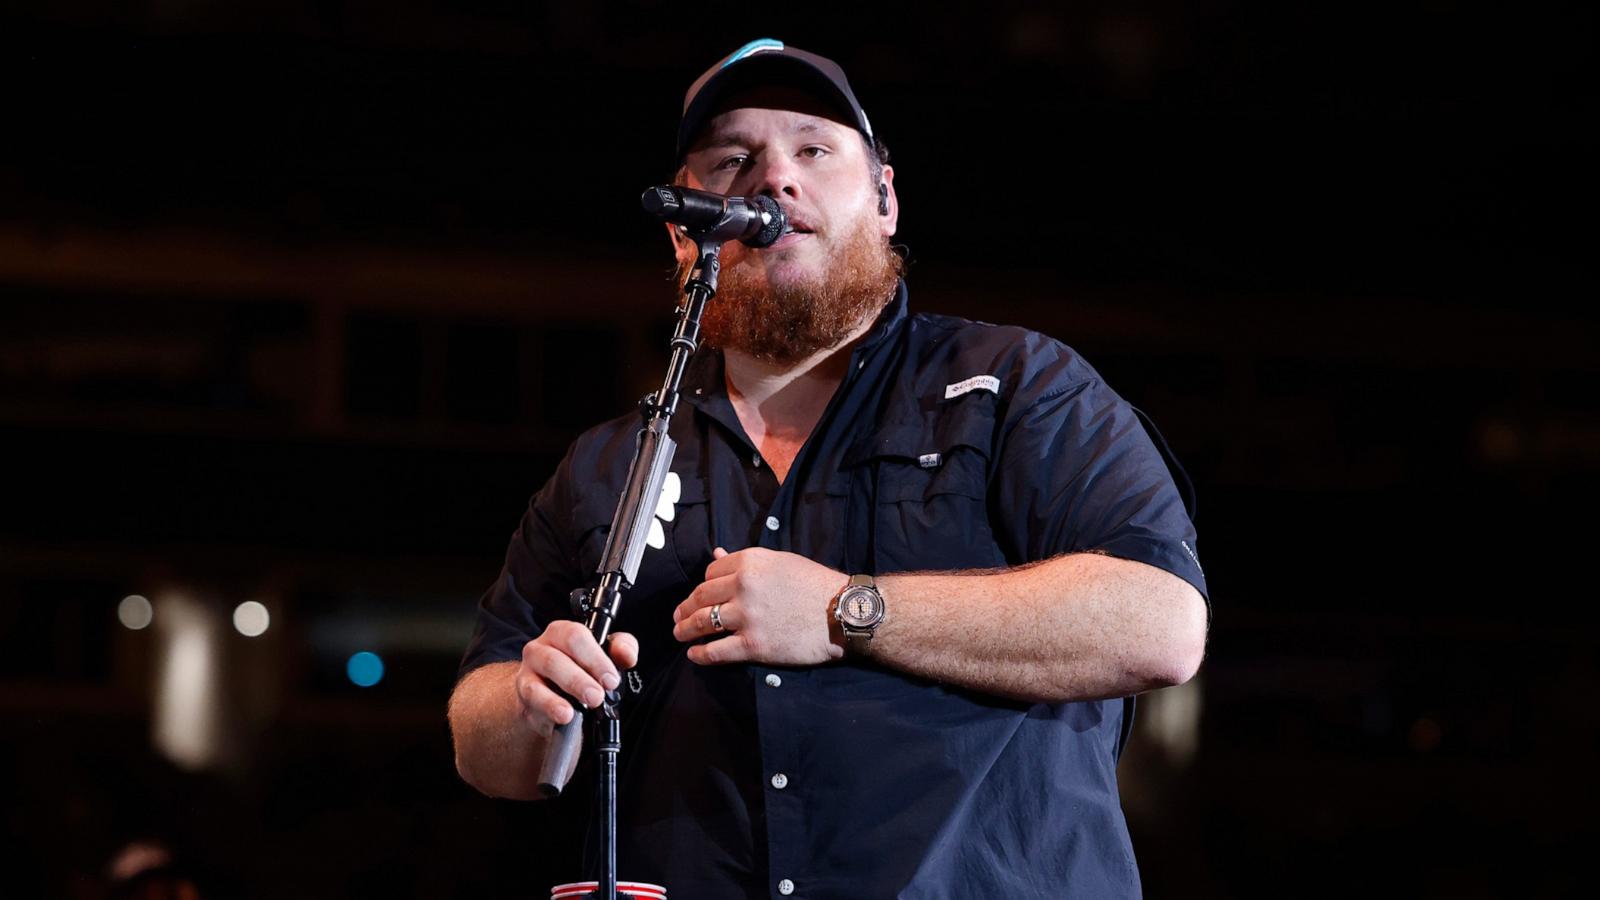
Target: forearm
(1076, 627)
(498, 751)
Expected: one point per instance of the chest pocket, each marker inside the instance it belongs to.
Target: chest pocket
(664, 578)
(661, 569)
(928, 484)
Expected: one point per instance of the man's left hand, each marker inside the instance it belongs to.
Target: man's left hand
(775, 608)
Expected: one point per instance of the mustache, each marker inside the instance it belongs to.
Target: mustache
(786, 321)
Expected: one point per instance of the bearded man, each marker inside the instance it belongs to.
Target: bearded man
(916, 571)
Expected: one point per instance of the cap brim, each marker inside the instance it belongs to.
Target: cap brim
(761, 70)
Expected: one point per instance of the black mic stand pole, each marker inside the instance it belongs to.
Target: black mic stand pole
(619, 563)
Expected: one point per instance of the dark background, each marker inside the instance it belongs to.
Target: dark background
(300, 301)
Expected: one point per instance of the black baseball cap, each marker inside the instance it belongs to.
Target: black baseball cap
(768, 61)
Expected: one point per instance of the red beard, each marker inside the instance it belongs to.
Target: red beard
(786, 323)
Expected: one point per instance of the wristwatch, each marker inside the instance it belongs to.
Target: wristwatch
(859, 609)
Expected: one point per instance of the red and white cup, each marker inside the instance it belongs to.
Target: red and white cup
(626, 890)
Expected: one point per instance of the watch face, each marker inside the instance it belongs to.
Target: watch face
(861, 607)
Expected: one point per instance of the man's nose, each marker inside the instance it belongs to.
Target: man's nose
(776, 176)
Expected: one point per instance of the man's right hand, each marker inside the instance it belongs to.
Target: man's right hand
(567, 657)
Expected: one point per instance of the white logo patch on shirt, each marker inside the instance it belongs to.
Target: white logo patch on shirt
(975, 383)
(929, 460)
(666, 510)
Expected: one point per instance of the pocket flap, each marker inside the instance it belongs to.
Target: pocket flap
(928, 441)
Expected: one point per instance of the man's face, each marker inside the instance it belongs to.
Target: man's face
(815, 284)
(779, 143)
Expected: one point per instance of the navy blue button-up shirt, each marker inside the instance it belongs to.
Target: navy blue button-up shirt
(949, 445)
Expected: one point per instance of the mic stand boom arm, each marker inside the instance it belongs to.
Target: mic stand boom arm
(619, 562)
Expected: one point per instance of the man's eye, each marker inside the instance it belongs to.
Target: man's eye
(814, 152)
(732, 162)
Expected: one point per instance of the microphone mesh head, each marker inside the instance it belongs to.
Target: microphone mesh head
(777, 222)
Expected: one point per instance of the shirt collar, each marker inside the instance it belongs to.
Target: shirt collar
(705, 387)
(888, 321)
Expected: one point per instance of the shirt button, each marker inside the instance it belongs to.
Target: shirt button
(774, 681)
(772, 523)
(786, 887)
(780, 781)
(755, 460)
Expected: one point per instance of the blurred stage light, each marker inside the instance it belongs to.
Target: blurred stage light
(251, 619)
(135, 612)
(364, 668)
(187, 722)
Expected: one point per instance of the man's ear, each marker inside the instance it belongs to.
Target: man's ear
(890, 220)
(682, 246)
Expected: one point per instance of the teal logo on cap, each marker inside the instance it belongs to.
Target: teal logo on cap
(752, 48)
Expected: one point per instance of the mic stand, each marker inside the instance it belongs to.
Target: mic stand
(619, 562)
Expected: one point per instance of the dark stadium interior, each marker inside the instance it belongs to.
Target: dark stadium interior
(300, 302)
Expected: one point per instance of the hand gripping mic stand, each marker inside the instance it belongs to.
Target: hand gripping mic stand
(625, 544)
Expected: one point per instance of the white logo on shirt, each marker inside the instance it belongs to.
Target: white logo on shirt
(666, 511)
(975, 383)
(1196, 559)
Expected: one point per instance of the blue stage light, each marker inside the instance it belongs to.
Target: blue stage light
(364, 668)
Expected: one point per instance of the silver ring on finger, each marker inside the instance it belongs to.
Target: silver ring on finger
(716, 618)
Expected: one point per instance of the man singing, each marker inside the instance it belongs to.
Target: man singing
(915, 569)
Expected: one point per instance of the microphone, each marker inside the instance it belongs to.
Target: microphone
(757, 220)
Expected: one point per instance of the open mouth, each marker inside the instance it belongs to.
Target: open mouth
(797, 226)
(792, 236)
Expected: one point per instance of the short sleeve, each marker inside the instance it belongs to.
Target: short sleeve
(1079, 473)
(540, 571)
